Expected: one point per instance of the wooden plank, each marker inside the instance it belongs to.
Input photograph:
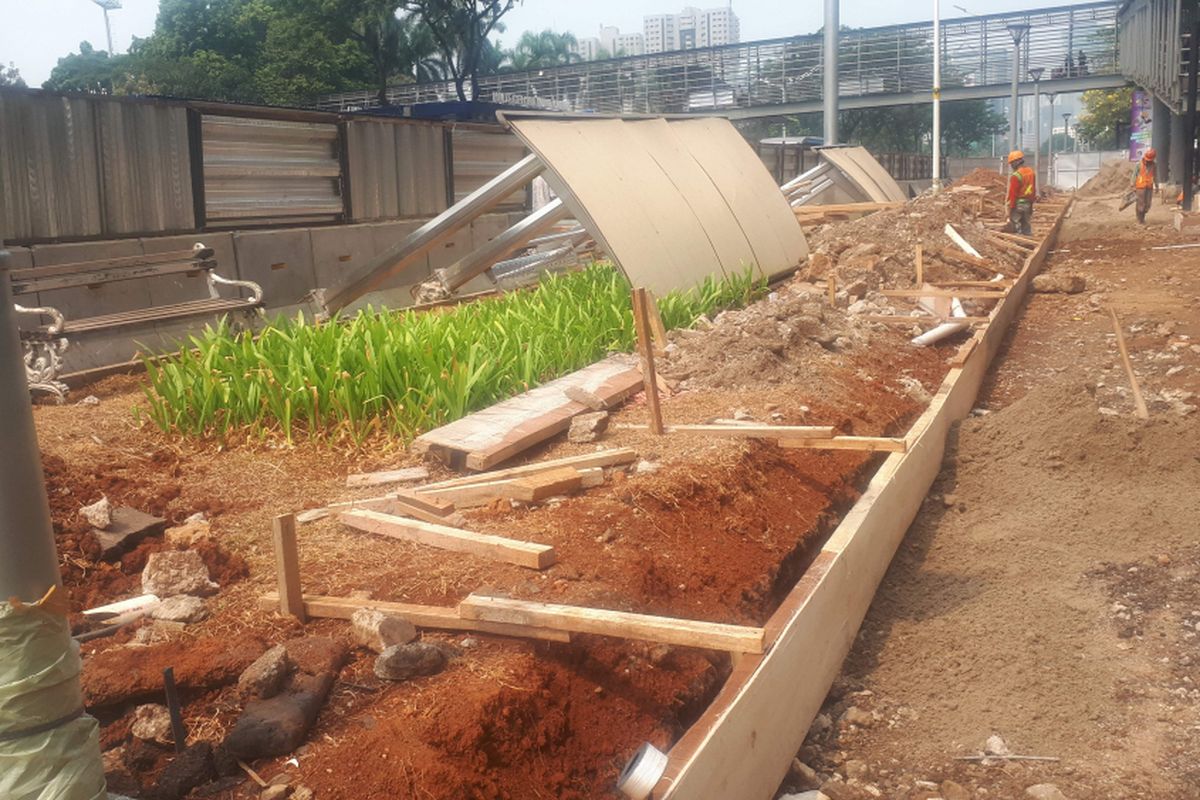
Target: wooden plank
(843, 208)
(641, 321)
(977, 264)
(422, 616)
(1000, 284)
(497, 548)
(1028, 241)
(481, 494)
(750, 431)
(536, 488)
(622, 624)
(969, 294)
(957, 238)
(744, 743)
(658, 330)
(1139, 402)
(435, 510)
(900, 319)
(919, 255)
(1006, 244)
(831, 284)
(314, 514)
(408, 475)
(602, 458)
(871, 444)
(287, 566)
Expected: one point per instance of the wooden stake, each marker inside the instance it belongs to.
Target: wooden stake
(920, 254)
(1139, 402)
(658, 331)
(831, 281)
(641, 320)
(287, 567)
(496, 548)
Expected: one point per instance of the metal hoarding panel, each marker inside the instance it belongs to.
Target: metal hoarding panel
(480, 156)
(48, 168)
(396, 169)
(262, 171)
(866, 173)
(144, 161)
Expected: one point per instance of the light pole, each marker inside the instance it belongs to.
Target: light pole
(108, 5)
(1050, 147)
(937, 95)
(1036, 74)
(829, 105)
(1017, 30)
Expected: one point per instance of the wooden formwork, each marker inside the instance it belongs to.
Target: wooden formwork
(744, 743)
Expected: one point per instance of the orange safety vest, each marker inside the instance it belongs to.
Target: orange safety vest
(1022, 186)
(1145, 177)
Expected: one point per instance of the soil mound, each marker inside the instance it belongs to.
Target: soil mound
(984, 178)
(1113, 178)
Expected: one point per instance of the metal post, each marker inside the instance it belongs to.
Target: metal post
(829, 105)
(1050, 146)
(1036, 74)
(1189, 125)
(937, 95)
(1016, 30)
(108, 31)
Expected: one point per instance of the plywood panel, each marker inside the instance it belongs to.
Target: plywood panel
(866, 173)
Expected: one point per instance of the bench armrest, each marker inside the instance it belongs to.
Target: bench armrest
(214, 280)
(55, 327)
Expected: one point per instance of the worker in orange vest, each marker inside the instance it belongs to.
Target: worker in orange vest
(1022, 190)
(1145, 178)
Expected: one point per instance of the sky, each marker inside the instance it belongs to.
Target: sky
(34, 33)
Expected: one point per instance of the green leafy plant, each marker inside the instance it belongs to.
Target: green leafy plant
(405, 372)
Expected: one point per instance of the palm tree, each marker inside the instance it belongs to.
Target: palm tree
(545, 49)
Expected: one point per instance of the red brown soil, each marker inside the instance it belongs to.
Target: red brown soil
(984, 178)
(1048, 591)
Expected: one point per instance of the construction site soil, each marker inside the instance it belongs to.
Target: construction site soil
(715, 530)
(1048, 591)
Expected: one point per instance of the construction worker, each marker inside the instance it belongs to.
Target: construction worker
(1145, 178)
(1022, 189)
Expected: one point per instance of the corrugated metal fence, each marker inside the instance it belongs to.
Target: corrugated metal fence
(75, 167)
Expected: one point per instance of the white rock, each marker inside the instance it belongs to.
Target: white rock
(996, 746)
(647, 467)
(378, 631)
(90, 400)
(172, 572)
(180, 608)
(1045, 791)
(98, 514)
(813, 794)
(857, 716)
(152, 723)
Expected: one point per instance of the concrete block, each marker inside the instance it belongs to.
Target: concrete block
(19, 257)
(22, 258)
(452, 249)
(280, 261)
(92, 301)
(102, 349)
(182, 288)
(387, 234)
(338, 251)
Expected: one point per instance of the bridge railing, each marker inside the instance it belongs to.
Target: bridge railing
(1069, 42)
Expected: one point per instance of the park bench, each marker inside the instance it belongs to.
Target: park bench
(44, 343)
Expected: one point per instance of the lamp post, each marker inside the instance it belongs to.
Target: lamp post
(1017, 30)
(937, 95)
(1050, 146)
(1036, 74)
(829, 105)
(108, 5)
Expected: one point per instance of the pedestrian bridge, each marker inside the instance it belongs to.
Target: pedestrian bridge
(1076, 46)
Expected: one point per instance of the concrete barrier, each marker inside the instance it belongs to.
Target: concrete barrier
(280, 261)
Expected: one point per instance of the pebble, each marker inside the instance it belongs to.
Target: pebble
(813, 794)
(275, 792)
(855, 769)
(647, 467)
(98, 514)
(377, 631)
(151, 723)
(180, 608)
(805, 776)
(172, 572)
(953, 791)
(857, 716)
(1045, 791)
(996, 746)
(404, 661)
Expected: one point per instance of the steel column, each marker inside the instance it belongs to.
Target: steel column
(829, 100)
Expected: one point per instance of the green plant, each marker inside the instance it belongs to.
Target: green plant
(405, 372)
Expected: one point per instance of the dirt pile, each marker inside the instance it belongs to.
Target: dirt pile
(984, 178)
(1114, 177)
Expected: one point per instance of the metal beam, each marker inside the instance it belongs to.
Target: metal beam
(482, 258)
(1063, 86)
(376, 272)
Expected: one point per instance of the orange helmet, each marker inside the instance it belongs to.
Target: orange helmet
(1150, 154)
(1015, 156)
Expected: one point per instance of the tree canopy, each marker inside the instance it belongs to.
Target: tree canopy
(1105, 116)
(10, 75)
(545, 49)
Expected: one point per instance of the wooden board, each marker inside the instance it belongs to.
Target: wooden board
(437, 617)
(287, 567)
(602, 458)
(744, 743)
(576, 619)
(497, 548)
(536, 488)
(871, 444)
(750, 431)
(408, 475)
(481, 440)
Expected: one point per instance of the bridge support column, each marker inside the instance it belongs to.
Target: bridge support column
(1177, 139)
(1160, 137)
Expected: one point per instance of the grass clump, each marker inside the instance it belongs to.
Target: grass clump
(405, 372)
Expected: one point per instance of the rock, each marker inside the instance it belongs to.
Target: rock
(857, 716)
(819, 265)
(277, 725)
(822, 723)
(90, 400)
(858, 289)
(191, 768)
(127, 528)
(187, 534)
(805, 776)
(590, 399)
(812, 794)
(180, 608)
(172, 572)
(855, 769)
(953, 791)
(996, 746)
(949, 500)
(264, 678)
(276, 791)
(469, 643)
(1057, 283)
(377, 631)
(98, 514)
(302, 793)
(586, 428)
(151, 723)
(403, 661)
(647, 467)
(1045, 791)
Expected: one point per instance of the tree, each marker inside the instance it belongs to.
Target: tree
(10, 75)
(461, 29)
(1105, 116)
(91, 71)
(545, 49)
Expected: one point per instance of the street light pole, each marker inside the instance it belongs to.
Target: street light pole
(1017, 30)
(1050, 146)
(829, 106)
(937, 95)
(1036, 74)
(108, 5)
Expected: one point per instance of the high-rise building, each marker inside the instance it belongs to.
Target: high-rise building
(692, 27)
(611, 43)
